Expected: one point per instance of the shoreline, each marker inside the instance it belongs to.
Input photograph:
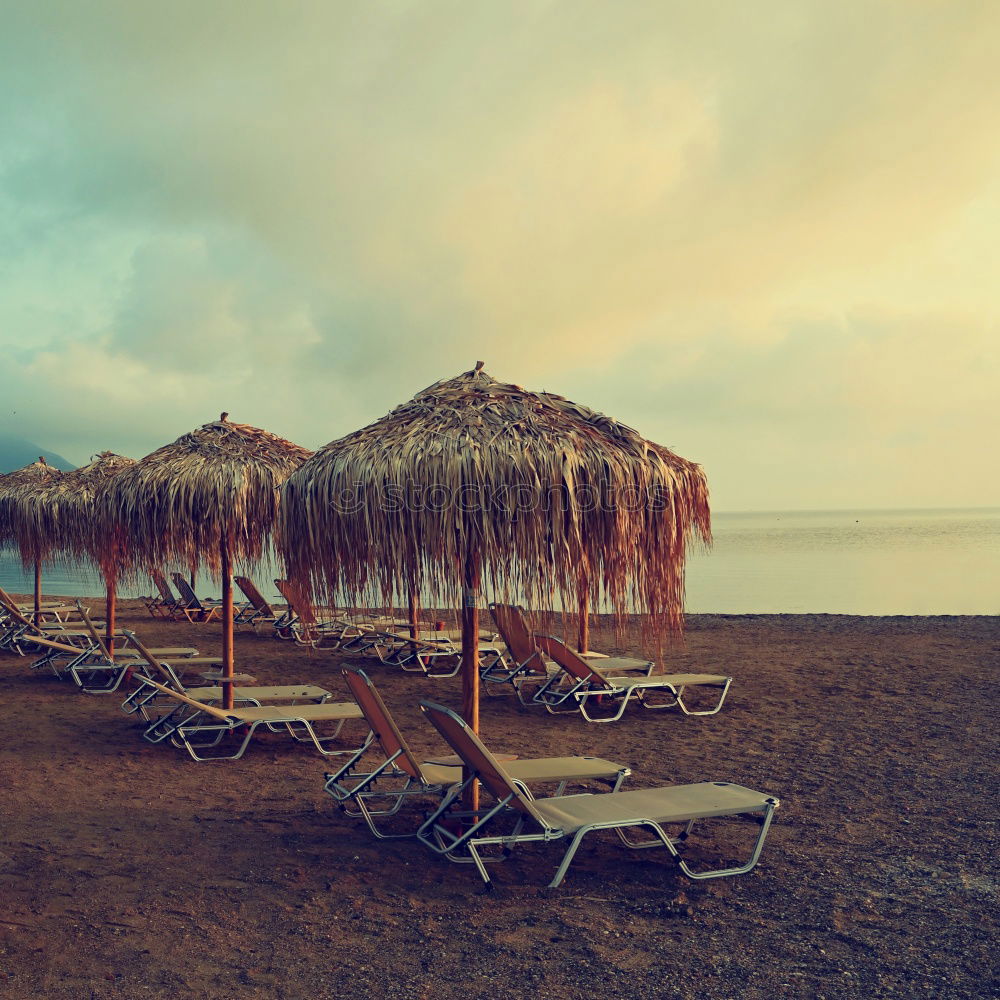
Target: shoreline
(694, 617)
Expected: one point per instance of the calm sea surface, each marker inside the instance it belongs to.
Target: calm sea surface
(885, 562)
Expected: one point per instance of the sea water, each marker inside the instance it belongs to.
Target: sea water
(864, 562)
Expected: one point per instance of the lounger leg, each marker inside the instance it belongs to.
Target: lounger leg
(319, 741)
(712, 711)
(520, 684)
(115, 673)
(369, 814)
(568, 856)
(765, 825)
(164, 727)
(223, 729)
(582, 703)
(583, 831)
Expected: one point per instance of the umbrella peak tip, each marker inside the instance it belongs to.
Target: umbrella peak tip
(479, 366)
(223, 417)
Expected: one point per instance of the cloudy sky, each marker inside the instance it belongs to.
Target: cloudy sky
(765, 234)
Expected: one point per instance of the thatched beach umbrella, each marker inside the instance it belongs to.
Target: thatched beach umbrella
(62, 517)
(17, 493)
(475, 482)
(209, 499)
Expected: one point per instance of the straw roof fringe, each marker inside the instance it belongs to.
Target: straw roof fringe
(59, 515)
(557, 499)
(18, 505)
(177, 504)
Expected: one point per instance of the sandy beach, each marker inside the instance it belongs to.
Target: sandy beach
(128, 870)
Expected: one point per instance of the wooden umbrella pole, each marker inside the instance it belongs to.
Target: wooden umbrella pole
(414, 616)
(583, 644)
(38, 591)
(470, 641)
(470, 657)
(109, 613)
(227, 625)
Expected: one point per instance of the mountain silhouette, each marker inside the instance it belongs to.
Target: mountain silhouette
(16, 452)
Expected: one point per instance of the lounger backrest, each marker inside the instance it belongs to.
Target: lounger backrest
(6, 600)
(477, 758)
(296, 601)
(187, 593)
(94, 634)
(515, 633)
(216, 713)
(160, 582)
(11, 605)
(254, 596)
(570, 660)
(62, 647)
(379, 718)
(162, 669)
(15, 612)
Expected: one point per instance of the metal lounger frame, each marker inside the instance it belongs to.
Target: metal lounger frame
(442, 839)
(349, 786)
(555, 693)
(186, 732)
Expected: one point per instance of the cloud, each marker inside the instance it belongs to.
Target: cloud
(303, 213)
(875, 409)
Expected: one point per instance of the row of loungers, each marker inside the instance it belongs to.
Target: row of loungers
(401, 796)
(435, 653)
(77, 650)
(542, 670)
(512, 811)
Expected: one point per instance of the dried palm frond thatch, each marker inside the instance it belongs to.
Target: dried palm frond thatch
(54, 516)
(58, 518)
(216, 486)
(546, 496)
(208, 499)
(18, 491)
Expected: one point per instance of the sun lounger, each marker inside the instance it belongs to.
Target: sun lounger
(572, 817)
(527, 666)
(103, 674)
(382, 791)
(582, 687)
(165, 603)
(259, 612)
(156, 667)
(319, 628)
(436, 653)
(191, 606)
(84, 660)
(391, 639)
(524, 661)
(214, 724)
(15, 622)
(17, 631)
(61, 655)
